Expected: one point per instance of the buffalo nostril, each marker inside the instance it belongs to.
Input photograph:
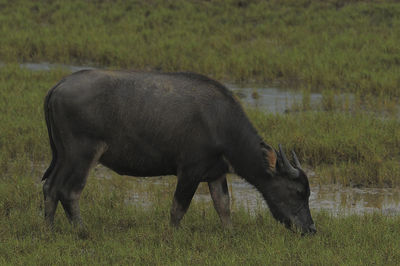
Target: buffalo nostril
(312, 229)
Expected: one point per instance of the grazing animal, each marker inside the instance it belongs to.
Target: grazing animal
(152, 124)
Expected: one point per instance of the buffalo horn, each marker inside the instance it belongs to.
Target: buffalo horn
(296, 160)
(288, 167)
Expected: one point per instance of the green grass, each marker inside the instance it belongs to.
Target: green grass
(351, 149)
(340, 45)
(329, 46)
(119, 233)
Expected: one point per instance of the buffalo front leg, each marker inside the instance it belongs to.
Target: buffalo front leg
(182, 197)
(220, 195)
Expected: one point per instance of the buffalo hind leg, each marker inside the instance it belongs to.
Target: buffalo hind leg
(66, 186)
(50, 198)
(183, 195)
(74, 179)
(220, 196)
(67, 182)
(71, 189)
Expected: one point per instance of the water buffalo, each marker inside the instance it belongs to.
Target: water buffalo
(152, 124)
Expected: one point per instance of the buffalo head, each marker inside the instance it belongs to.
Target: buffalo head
(288, 193)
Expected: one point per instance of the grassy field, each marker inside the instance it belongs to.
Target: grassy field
(120, 233)
(328, 46)
(336, 45)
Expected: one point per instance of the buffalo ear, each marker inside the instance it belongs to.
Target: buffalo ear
(270, 156)
(272, 159)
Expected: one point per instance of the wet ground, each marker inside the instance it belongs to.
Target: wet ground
(328, 197)
(272, 100)
(334, 199)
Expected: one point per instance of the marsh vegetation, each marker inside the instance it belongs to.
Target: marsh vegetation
(336, 44)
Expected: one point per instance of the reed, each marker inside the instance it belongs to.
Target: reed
(337, 45)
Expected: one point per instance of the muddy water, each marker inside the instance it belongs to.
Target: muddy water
(268, 99)
(272, 100)
(345, 200)
(334, 199)
(44, 66)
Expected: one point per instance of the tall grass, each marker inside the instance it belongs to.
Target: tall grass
(23, 138)
(340, 45)
(352, 149)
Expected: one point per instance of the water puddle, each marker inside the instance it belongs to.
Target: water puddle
(345, 200)
(271, 100)
(334, 199)
(44, 66)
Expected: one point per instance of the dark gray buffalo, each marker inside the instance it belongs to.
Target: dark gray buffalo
(152, 124)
